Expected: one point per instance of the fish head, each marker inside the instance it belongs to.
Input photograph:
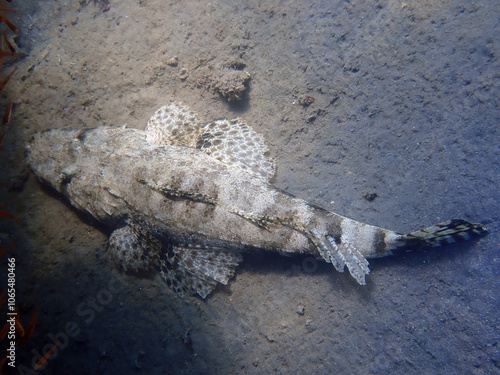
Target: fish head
(54, 155)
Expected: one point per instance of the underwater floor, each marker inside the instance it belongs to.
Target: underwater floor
(386, 112)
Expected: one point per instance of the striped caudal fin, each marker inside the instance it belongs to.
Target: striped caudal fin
(444, 233)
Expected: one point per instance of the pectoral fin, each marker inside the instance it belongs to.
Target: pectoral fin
(189, 270)
(134, 248)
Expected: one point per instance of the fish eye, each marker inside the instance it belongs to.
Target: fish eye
(76, 143)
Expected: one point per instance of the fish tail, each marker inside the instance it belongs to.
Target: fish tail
(447, 232)
(345, 242)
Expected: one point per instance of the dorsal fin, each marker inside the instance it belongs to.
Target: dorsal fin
(232, 142)
(235, 143)
(173, 125)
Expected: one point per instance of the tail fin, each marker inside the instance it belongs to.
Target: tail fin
(444, 233)
(345, 242)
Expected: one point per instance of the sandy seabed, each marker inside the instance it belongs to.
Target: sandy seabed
(405, 110)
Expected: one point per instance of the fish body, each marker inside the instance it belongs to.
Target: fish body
(187, 199)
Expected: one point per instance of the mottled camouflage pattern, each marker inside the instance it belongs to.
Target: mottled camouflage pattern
(186, 199)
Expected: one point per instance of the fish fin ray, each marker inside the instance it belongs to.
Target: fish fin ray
(186, 269)
(235, 143)
(447, 232)
(173, 125)
(133, 247)
(190, 270)
(356, 262)
(341, 254)
(232, 142)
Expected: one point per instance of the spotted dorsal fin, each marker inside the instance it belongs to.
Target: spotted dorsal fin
(232, 142)
(235, 143)
(173, 125)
